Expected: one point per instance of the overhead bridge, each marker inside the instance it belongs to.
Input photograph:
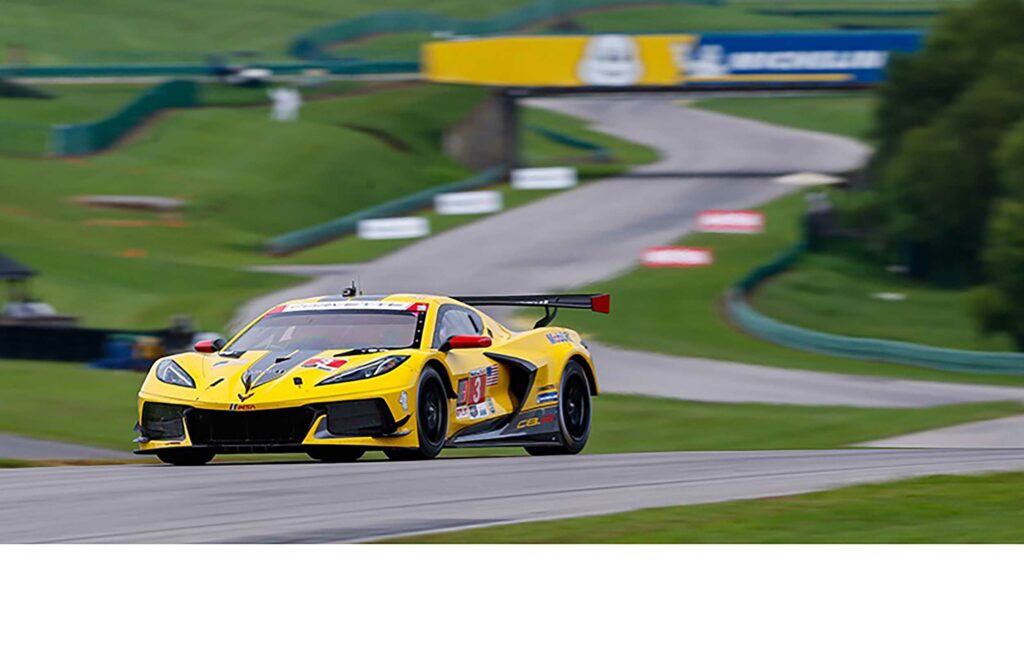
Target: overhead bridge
(518, 67)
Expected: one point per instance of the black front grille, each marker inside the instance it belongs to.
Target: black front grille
(279, 427)
(360, 418)
(162, 421)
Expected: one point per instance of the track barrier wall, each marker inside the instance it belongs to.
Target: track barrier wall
(346, 67)
(341, 226)
(743, 315)
(90, 137)
(311, 44)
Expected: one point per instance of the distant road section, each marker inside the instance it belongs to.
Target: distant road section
(323, 503)
(598, 231)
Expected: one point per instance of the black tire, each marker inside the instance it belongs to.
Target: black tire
(336, 454)
(574, 414)
(186, 457)
(431, 419)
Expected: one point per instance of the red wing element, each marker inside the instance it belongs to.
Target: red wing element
(597, 302)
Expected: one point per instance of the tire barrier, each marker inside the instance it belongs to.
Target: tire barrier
(341, 226)
(742, 314)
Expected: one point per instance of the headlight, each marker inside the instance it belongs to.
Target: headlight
(370, 370)
(170, 372)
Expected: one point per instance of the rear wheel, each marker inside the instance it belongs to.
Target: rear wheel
(186, 457)
(573, 414)
(336, 454)
(431, 419)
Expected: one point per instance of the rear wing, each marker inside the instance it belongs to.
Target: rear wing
(597, 302)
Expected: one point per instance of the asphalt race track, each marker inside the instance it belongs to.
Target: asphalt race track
(598, 230)
(320, 503)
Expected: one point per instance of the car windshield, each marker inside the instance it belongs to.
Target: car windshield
(321, 330)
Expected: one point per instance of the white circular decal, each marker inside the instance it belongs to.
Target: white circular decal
(610, 60)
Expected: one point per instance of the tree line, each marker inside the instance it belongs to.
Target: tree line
(948, 173)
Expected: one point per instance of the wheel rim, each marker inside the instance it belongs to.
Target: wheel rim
(575, 406)
(432, 413)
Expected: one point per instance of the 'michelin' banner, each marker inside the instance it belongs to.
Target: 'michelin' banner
(702, 60)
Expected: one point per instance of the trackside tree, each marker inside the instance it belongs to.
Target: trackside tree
(949, 169)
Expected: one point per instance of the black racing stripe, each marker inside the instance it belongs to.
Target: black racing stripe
(266, 369)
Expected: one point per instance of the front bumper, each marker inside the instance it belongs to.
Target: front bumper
(377, 422)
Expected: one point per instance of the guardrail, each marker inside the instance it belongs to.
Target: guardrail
(90, 137)
(309, 45)
(597, 151)
(743, 315)
(349, 67)
(341, 226)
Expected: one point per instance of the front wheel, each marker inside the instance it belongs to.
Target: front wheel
(431, 419)
(573, 414)
(186, 457)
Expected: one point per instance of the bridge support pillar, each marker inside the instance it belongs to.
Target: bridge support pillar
(489, 136)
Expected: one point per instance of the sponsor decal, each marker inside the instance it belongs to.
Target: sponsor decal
(730, 221)
(343, 305)
(472, 390)
(324, 364)
(676, 257)
(556, 337)
(532, 422)
(713, 61)
(241, 407)
(403, 400)
(547, 397)
(476, 411)
(544, 178)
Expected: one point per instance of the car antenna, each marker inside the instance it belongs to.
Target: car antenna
(351, 291)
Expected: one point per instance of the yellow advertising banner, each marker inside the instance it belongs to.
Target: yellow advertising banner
(561, 61)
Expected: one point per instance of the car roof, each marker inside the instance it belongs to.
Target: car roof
(372, 301)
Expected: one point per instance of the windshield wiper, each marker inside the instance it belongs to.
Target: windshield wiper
(364, 350)
(234, 353)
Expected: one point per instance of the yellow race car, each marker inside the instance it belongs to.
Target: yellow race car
(336, 376)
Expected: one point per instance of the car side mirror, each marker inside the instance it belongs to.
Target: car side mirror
(210, 346)
(466, 342)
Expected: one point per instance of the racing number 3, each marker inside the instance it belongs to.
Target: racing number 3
(473, 390)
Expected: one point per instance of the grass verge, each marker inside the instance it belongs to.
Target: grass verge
(836, 293)
(939, 509)
(849, 115)
(245, 178)
(71, 403)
